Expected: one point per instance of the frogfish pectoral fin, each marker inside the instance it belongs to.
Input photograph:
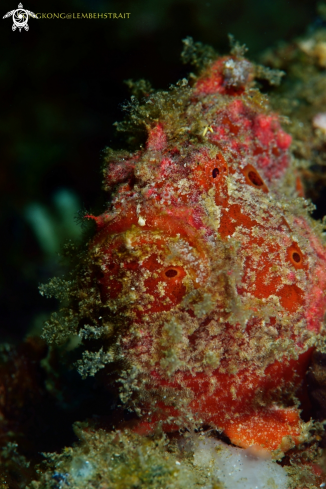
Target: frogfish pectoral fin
(272, 429)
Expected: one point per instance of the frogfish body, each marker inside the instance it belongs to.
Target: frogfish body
(210, 274)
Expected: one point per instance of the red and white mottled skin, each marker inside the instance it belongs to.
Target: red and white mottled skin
(218, 280)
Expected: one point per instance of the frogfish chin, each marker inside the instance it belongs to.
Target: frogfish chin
(202, 291)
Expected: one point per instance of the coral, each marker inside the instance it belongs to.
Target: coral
(51, 228)
(202, 292)
(39, 400)
(122, 459)
(237, 468)
(21, 398)
(301, 98)
(15, 469)
(317, 385)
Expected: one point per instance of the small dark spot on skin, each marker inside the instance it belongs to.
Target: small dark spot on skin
(255, 179)
(171, 273)
(296, 257)
(216, 171)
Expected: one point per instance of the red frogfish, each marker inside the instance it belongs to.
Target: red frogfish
(206, 271)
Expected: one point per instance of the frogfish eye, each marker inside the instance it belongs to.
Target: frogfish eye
(171, 272)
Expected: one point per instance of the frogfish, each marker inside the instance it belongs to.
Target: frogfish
(202, 290)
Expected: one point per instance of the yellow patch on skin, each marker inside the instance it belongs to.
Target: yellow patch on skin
(206, 129)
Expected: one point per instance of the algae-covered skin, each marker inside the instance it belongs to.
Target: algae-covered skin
(202, 292)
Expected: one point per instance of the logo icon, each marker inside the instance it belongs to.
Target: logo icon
(20, 18)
